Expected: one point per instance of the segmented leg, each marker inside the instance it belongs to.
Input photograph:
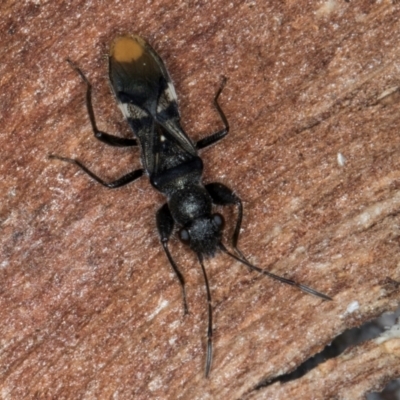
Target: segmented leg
(124, 180)
(165, 226)
(102, 136)
(215, 137)
(224, 196)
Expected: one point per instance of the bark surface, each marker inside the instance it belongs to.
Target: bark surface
(89, 305)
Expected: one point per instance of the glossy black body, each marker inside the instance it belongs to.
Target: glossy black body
(147, 99)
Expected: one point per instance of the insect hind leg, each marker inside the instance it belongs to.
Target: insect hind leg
(215, 137)
(102, 136)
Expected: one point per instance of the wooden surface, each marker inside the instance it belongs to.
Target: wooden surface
(89, 305)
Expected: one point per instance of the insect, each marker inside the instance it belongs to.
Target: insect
(147, 98)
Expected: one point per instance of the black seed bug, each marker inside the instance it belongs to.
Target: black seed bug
(147, 99)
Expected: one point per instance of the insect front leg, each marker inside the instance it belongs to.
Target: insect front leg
(223, 196)
(165, 226)
(215, 137)
(102, 136)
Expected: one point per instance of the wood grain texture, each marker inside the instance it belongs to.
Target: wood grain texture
(357, 371)
(89, 305)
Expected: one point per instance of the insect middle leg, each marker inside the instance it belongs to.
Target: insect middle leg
(124, 180)
(215, 137)
(102, 136)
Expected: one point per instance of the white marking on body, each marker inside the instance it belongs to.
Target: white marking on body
(171, 91)
(131, 111)
(124, 108)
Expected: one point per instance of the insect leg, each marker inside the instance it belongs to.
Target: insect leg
(130, 177)
(165, 226)
(215, 137)
(102, 136)
(223, 196)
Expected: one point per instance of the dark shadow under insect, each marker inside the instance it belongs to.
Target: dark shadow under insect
(147, 99)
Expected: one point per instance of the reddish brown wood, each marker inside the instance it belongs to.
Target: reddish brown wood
(89, 305)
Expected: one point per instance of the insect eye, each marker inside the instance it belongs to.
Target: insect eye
(218, 220)
(184, 236)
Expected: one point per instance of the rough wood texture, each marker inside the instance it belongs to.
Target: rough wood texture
(357, 371)
(89, 305)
